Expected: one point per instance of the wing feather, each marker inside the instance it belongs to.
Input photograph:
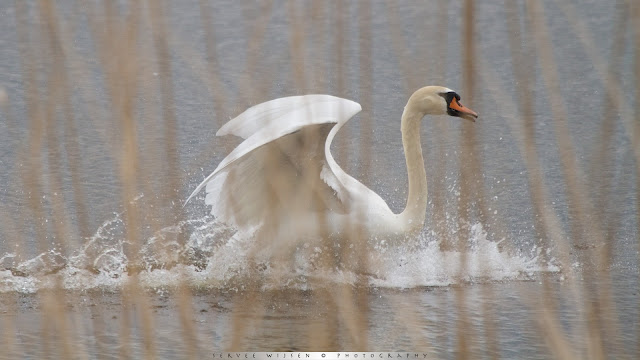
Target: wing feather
(263, 115)
(284, 161)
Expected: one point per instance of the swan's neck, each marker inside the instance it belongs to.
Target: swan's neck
(414, 212)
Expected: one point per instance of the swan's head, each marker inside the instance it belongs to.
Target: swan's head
(438, 100)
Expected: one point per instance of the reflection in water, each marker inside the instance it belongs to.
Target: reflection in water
(293, 320)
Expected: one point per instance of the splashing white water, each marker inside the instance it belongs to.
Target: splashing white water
(483, 261)
(205, 253)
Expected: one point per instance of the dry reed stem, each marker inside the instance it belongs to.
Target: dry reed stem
(162, 55)
(635, 23)
(354, 317)
(39, 119)
(119, 37)
(8, 224)
(522, 64)
(347, 316)
(217, 91)
(605, 308)
(542, 224)
(79, 71)
(298, 60)
(365, 54)
(55, 322)
(545, 220)
(60, 90)
(414, 328)
(170, 190)
(31, 174)
(555, 337)
(208, 73)
(401, 50)
(613, 87)
(245, 304)
(296, 48)
(411, 77)
(583, 224)
(7, 323)
(319, 334)
(613, 98)
(468, 173)
(249, 88)
(439, 185)
(550, 222)
(318, 37)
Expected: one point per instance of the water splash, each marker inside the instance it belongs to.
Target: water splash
(482, 261)
(208, 254)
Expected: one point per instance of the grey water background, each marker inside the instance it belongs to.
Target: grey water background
(422, 27)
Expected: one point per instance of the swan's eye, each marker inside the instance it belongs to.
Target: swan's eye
(449, 97)
(444, 95)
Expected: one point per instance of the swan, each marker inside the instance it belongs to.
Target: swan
(283, 181)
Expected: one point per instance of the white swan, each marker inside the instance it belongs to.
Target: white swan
(283, 180)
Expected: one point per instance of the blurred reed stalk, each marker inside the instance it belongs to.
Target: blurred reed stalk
(635, 23)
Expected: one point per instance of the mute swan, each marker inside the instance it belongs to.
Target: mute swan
(283, 180)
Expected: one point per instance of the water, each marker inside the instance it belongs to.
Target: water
(413, 296)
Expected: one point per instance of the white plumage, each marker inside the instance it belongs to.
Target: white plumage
(283, 180)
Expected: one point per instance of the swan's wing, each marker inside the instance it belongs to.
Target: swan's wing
(283, 164)
(281, 178)
(264, 115)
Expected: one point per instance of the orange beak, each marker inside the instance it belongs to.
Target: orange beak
(465, 111)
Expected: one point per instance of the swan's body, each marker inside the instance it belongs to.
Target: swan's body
(283, 180)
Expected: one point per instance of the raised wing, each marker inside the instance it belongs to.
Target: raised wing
(285, 163)
(262, 116)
